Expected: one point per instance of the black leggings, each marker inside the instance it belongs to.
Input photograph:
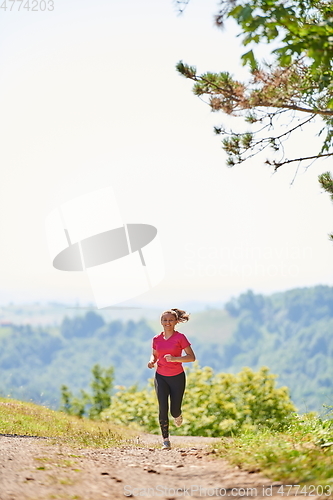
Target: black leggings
(164, 386)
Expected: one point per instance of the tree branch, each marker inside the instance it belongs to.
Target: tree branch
(325, 112)
(315, 157)
(231, 95)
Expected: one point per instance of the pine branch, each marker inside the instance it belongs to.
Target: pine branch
(324, 112)
(284, 162)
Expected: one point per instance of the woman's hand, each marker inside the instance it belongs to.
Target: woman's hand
(168, 357)
(151, 364)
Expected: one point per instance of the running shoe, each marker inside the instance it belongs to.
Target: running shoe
(166, 445)
(178, 421)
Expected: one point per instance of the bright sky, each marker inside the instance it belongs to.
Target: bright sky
(89, 98)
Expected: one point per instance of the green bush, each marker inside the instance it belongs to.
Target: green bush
(221, 404)
(90, 405)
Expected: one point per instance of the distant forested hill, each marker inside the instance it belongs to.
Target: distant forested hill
(290, 332)
(34, 362)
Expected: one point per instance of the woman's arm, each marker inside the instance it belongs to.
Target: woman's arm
(153, 359)
(190, 356)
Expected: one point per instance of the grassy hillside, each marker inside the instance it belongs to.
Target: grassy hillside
(302, 455)
(28, 419)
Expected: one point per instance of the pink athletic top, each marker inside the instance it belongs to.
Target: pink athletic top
(174, 345)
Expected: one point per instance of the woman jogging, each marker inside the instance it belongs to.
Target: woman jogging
(170, 377)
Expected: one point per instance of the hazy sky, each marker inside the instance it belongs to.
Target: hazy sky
(89, 98)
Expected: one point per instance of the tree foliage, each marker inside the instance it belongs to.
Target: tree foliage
(81, 326)
(219, 404)
(92, 404)
(298, 79)
(326, 182)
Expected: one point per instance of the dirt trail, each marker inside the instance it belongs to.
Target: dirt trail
(38, 469)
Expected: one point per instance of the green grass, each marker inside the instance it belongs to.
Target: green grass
(28, 419)
(302, 454)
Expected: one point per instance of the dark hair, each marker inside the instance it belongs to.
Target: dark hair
(181, 316)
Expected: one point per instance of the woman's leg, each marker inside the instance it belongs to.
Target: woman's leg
(162, 393)
(177, 385)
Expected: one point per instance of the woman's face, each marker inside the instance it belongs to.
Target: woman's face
(168, 321)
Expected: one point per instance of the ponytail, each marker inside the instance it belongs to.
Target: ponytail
(181, 316)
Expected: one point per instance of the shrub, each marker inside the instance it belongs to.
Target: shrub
(219, 404)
